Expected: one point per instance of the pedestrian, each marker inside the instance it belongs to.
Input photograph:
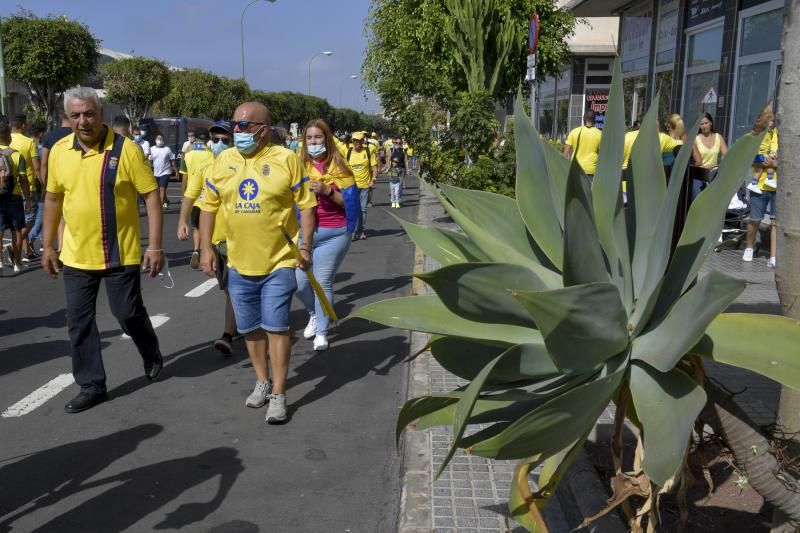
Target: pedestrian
(121, 126)
(188, 144)
(195, 159)
(164, 167)
(13, 205)
(27, 147)
(364, 162)
(627, 147)
(138, 138)
(338, 209)
(708, 147)
(583, 144)
(101, 239)
(37, 134)
(397, 167)
(48, 141)
(258, 186)
(221, 135)
(762, 195)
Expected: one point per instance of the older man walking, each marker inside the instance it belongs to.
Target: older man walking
(257, 185)
(94, 176)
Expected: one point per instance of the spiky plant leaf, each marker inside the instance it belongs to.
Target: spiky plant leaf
(521, 503)
(583, 325)
(466, 357)
(730, 339)
(534, 190)
(667, 405)
(443, 246)
(417, 407)
(669, 340)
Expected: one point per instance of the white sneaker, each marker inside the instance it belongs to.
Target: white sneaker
(771, 182)
(276, 412)
(771, 262)
(748, 255)
(17, 268)
(311, 327)
(260, 394)
(753, 187)
(321, 343)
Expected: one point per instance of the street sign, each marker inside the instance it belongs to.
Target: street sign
(533, 34)
(710, 97)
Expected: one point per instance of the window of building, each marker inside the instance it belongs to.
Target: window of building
(637, 25)
(664, 60)
(703, 55)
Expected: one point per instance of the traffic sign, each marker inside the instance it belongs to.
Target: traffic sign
(710, 97)
(533, 34)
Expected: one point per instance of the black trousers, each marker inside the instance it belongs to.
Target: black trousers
(124, 289)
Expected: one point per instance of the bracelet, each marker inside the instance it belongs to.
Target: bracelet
(149, 250)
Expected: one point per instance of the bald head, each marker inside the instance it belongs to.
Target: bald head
(252, 112)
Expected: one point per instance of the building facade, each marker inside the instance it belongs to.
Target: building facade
(722, 57)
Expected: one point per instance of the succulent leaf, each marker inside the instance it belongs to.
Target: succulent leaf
(466, 357)
(443, 246)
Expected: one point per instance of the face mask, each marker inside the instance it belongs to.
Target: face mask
(315, 150)
(217, 148)
(245, 142)
(137, 137)
(159, 142)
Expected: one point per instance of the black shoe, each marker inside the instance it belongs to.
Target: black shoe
(223, 344)
(152, 370)
(84, 401)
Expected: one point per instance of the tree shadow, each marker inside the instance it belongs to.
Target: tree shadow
(12, 326)
(46, 477)
(371, 287)
(345, 363)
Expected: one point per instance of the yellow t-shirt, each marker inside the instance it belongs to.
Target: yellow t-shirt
(667, 143)
(362, 164)
(630, 138)
(195, 158)
(196, 175)
(101, 214)
(409, 150)
(27, 147)
(340, 145)
(769, 145)
(18, 162)
(710, 156)
(258, 194)
(585, 143)
(205, 174)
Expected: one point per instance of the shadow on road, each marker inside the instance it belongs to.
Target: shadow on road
(12, 326)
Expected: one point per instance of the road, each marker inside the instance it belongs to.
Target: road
(184, 452)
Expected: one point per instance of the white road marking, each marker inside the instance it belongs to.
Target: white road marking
(39, 396)
(156, 320)
(202, 288)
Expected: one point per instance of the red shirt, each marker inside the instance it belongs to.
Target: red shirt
(329, 213)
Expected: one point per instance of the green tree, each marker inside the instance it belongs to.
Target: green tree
(48, 55)
(135, 84)
(196, 93)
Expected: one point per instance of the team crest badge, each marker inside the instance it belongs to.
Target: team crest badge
(265, 170)
(112, 163)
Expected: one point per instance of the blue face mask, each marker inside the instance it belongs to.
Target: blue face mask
(218, 147)
(245, 142)
(315, 150)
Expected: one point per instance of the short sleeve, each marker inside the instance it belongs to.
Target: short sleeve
(21, 166)
(208, 185)
(196, 182)
(182, 168)
(171, 154)
(571, 140)
(140, 174)
(303, 197)
(54, 184)
(34, 151)
(373, 159)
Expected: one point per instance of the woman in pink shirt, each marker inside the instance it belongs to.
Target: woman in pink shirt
(331, 179)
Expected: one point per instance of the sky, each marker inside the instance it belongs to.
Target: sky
(279, 39)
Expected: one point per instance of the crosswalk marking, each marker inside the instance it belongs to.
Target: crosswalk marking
(202, 288)
(39, 396)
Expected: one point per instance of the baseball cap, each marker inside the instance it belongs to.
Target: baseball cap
(221, 126)
(358, 136)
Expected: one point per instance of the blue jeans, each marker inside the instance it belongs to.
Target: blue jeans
(36, 231)
(262, 301)
(363, 197)
(327, 254)
(396, 191)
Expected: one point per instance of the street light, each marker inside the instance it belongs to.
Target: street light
(352, 77)
(241, 29)
(325, 53)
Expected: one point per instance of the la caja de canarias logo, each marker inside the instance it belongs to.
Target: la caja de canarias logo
(248, 192)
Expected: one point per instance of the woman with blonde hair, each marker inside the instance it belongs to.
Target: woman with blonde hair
(338, 209)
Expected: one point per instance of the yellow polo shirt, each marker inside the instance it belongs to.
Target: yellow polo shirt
(256, 195)
(18, 162)
(195, 158)
(27, 147)
(205, 174)
(585, 143)
(101, 213)
(362, 164)
(196, 177)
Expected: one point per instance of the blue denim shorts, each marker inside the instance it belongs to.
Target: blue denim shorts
(262, 301)
(762, 203)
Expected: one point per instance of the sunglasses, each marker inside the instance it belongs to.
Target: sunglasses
(244, 124)
(223, 140)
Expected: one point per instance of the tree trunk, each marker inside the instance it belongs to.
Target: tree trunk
(787, 273)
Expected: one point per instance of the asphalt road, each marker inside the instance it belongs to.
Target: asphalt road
(185, 453)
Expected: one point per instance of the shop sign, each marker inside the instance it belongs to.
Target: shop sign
(703, 10)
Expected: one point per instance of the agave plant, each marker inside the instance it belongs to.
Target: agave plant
(558, 302)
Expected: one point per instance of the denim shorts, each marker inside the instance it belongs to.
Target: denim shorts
(163, 181)
(760, 204)
(262, 301)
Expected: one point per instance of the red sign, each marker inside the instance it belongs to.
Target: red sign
(533, 34)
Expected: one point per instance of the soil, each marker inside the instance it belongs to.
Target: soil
(725, 507)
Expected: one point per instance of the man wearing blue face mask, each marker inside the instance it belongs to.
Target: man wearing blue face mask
(138, 138)
(257, 186)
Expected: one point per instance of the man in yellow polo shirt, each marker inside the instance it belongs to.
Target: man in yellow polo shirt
(27, 147)
(196, 158)
(258, 185)
(364, 162)
(93, 179)
(13, 206)
(583, 143)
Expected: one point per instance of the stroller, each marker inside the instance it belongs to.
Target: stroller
(734, 228)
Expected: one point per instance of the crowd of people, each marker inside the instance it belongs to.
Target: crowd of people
(708, 149)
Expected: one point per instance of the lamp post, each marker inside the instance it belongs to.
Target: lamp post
(325, 53)
(241, 29)
(352, 77)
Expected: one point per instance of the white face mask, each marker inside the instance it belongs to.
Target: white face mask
(315, 150)
(159, 142)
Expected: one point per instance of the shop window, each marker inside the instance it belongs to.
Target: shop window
(664, 92)
(635, 91)
(762, 33)
(697, 87)
(705, 48)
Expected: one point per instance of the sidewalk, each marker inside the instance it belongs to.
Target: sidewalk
(472, 493)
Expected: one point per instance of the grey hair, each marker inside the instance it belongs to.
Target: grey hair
(82, 93)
